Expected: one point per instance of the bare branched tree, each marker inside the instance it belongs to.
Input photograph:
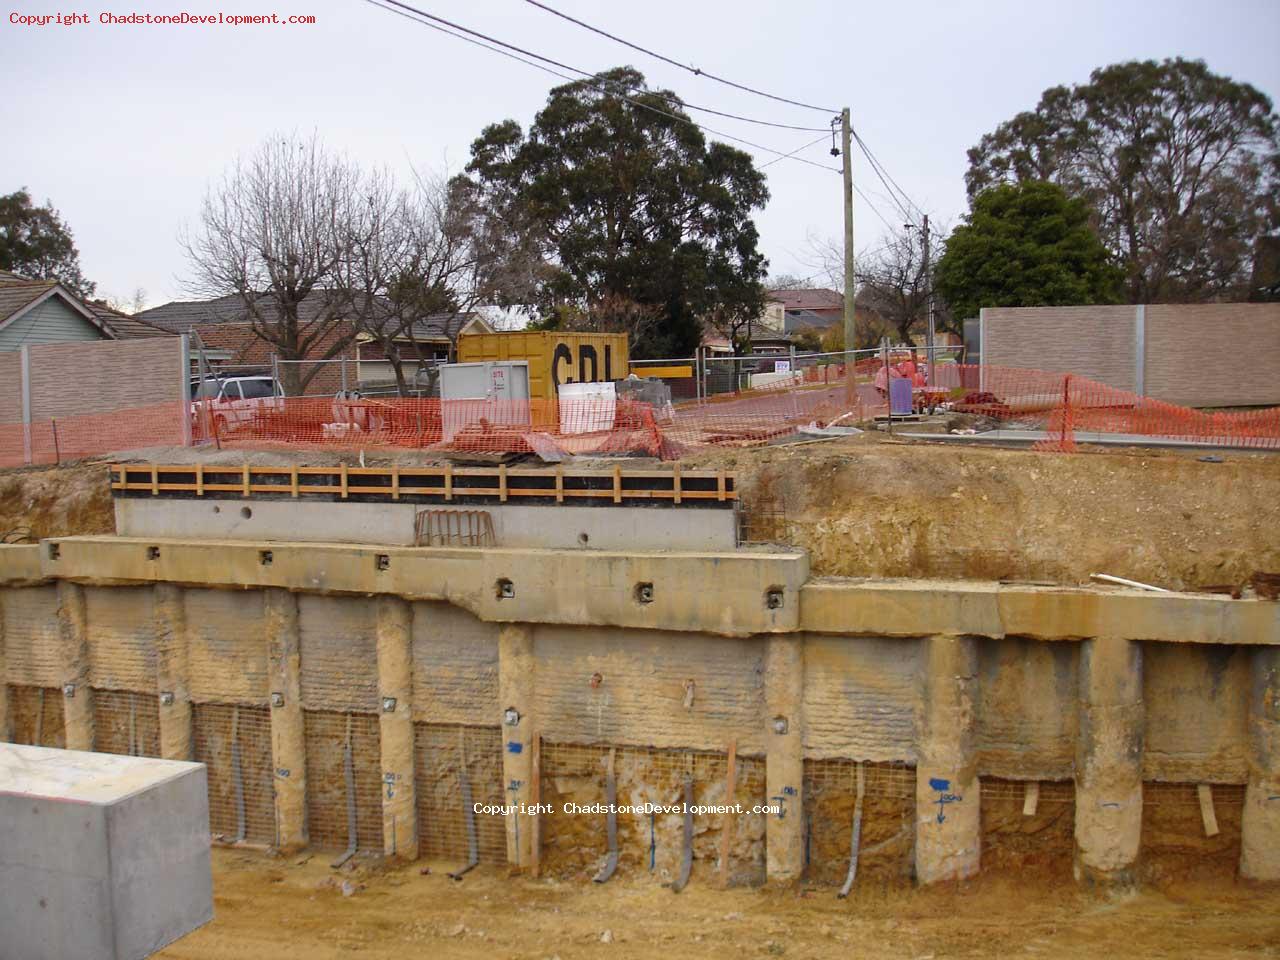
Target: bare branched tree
(893, 289)
(278, 233)
(421, 260)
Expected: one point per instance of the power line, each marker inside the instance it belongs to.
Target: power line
(697, 71)
(389, 4)
(793, 152)
(878, 169)
(586, 73)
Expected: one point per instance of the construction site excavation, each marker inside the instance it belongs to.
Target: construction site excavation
(842, 695)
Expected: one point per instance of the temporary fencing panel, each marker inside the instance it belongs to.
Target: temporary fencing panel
(1067, 406)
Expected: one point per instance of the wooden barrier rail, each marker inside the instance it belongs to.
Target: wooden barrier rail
(446, 483)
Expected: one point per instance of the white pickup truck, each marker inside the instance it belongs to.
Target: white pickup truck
(228, 404)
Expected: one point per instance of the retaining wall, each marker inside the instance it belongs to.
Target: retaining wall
(986, 723)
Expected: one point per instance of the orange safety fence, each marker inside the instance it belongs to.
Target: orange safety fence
(1067, 407)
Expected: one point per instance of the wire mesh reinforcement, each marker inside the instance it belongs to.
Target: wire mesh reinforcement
(1174, 835)
(1027, 823)
(126, 722)
(1065, 405)
(326, 735)
(36, 717)
(234, 743)
(887, 840)
(578, 843)
(438, 760)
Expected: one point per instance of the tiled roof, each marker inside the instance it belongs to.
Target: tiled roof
(17, 294)
(181, 315)
(809, 298)
(126, 327)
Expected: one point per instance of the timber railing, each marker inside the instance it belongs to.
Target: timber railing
(446, 484)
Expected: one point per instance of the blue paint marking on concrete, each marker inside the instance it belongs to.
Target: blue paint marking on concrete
(515, 746)
(937, 783)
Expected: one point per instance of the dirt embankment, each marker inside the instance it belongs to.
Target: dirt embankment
(874, 507)
(868, 507)
(55, 502)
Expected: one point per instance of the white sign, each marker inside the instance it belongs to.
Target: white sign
(782, 366)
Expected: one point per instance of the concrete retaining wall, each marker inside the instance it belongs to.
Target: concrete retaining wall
(936, 688)
(562, 527)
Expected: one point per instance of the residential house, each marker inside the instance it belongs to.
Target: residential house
(44, 311)
(809, 308)
(346, 357)
(430, 341)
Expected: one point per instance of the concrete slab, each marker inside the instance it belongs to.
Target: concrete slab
(1020, 438)
(562, 527)
(101, 856)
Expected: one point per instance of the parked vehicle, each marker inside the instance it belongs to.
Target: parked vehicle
(228, 404)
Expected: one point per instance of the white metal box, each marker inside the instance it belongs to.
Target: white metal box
(493, 391)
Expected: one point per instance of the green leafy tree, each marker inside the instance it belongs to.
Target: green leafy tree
(35, 242)
(638, 222)
(1025, 245)
(1180, 165)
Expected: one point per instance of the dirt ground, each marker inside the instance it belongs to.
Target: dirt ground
(296, 908)
(874, 506)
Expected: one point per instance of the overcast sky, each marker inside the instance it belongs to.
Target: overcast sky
(122, 127)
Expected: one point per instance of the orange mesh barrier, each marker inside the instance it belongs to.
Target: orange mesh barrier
(1068, 407)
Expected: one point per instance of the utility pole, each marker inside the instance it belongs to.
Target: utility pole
(928, 280)
(850, 338)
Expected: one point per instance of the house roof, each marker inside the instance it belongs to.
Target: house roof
(19, 296)
(181, 316)
(447, 326)
(16, 295)
(126, 327)
(808, 298)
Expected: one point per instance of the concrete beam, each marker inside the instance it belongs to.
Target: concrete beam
(1260, 825)
(948, 826)
(1109, 749)
(563, 527)
(732, 594)
(395, 721)
(515, 694)
(170, 618)
(784, 758)
(77, 695)
(915, 608)
(288, 744)
(20, 564)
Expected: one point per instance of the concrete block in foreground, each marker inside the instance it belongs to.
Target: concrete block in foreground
(101, 856)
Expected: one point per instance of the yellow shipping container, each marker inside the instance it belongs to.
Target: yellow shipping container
(554, 358)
